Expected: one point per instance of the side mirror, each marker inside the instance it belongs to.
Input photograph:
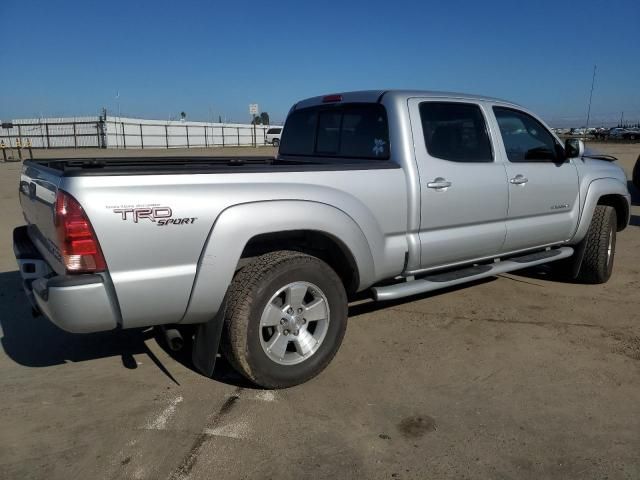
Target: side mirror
(574, 147)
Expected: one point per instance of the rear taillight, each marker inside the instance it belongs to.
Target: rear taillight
(78, 243)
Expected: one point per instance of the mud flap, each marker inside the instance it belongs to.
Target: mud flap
(577, 257)
(206, 344)
(570, 267)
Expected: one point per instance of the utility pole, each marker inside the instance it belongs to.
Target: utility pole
(593, 81)
(115, 124)
(255, 138)
(253, 111)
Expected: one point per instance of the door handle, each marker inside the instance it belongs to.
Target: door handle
(519, 180)
(439, 184)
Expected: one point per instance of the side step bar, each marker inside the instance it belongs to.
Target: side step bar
(438, 281)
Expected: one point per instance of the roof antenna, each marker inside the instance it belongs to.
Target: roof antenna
(593, 81)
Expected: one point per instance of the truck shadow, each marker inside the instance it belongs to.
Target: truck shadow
(223, 371)
(36, 342)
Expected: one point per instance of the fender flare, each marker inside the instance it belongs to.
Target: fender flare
(238, 224)
(597, 189)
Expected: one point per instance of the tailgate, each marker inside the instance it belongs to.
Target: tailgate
(38, 189)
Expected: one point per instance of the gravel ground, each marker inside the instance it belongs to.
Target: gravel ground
(515, 377)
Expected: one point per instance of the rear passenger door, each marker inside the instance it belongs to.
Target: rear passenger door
(543, 185)
(464, 192)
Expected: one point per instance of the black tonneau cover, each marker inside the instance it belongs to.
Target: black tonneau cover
(72, 167)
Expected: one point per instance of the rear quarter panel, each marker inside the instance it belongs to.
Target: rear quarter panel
(153, 266)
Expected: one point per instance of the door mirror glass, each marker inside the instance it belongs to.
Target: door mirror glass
(574, 147)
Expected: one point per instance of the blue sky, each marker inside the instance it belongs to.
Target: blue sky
(213, 58)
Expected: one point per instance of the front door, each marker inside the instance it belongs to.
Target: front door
(463, 187)
(543, 186)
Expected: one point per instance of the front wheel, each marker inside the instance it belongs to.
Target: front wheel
(286, 315)
(275, 142)
(600, 248)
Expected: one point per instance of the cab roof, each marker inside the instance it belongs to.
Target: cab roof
(373, 96)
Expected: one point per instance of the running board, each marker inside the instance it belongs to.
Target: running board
(436, 281)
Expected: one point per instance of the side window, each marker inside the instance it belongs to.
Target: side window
(525, 139)
(455, 131)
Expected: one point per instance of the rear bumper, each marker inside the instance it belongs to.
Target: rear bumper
(75, 303)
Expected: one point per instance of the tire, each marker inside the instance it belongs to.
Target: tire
(257, 322)
(597, 263)
(635, 177)
(275, 142)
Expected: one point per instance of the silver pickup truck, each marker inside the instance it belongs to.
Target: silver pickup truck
(394, 193)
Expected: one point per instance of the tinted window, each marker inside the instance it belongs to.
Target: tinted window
(273, 131)
(343, 130)
(328, 139)
(455, 132)
(299, 133)
(525, 139)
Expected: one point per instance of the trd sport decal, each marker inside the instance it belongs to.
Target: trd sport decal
(159, 215)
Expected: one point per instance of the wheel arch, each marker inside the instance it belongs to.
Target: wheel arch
(242, 231)
(620, 205)
(603, 191)
(323, 245)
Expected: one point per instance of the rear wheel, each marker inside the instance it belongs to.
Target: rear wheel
(286, 317)
(597, 263)
(276, 142)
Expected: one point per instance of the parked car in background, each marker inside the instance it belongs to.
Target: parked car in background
(617, 133)
(631, 134)
(273, 136)
(635, 178)
(600, 133)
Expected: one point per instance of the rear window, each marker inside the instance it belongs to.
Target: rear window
(345, 130)
(274, 131)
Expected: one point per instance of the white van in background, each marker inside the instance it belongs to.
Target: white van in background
(273, 136)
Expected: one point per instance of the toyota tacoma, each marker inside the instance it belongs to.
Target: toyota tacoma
(380, 193)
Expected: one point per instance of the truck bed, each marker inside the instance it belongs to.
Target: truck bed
(73, 167)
